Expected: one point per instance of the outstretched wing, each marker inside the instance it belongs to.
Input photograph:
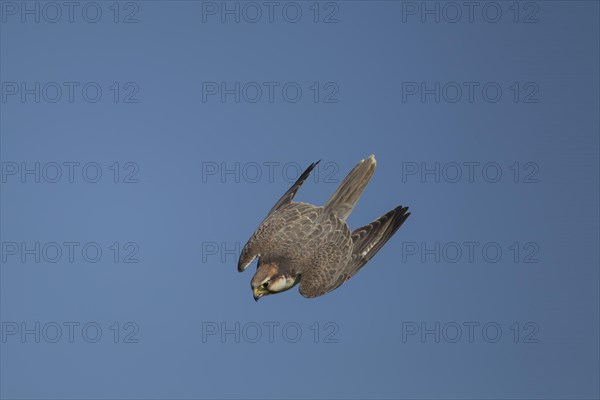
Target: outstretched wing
(369, 239)
(366, 242)
(289, 195)
(250, 251)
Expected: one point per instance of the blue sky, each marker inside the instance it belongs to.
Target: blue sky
(143, 142)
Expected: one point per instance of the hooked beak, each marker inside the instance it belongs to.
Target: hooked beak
(257, 293)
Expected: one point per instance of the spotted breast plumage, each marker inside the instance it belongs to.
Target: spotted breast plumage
(313, 246)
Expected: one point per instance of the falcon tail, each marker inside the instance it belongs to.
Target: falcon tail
(347, 194)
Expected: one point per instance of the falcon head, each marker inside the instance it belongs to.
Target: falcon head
(268, 279)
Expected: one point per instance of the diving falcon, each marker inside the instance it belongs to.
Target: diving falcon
(313, 246)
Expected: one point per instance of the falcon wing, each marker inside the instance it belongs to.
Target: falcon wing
(251, 249)
(289, 195)
(366, 242)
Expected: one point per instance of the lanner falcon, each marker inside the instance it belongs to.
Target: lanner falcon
(313, 246)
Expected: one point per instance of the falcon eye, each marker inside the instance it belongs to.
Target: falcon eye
(265, 285)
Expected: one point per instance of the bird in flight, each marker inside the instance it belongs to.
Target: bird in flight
(313, 246)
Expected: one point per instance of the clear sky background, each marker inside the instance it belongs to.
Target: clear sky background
(143, 142)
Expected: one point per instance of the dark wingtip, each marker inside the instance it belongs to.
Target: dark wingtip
(400, 216)
(240, 266)
(401, 210)
(308, 171)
